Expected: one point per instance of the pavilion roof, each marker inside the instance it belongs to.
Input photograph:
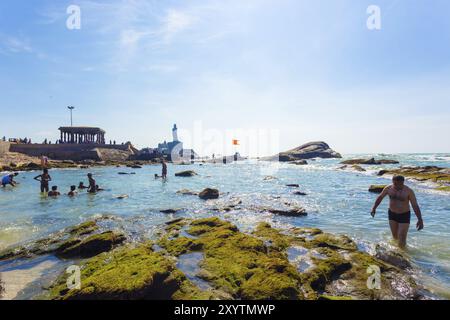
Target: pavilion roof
(82, 130)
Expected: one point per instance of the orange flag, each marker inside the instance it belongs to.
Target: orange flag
(235, 142)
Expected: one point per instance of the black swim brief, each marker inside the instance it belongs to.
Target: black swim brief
(400, 217)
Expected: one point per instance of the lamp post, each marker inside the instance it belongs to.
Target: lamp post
(71, 109)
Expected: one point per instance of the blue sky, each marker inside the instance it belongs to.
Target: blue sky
(302, 70)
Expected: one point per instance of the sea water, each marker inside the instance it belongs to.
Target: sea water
(337, 201)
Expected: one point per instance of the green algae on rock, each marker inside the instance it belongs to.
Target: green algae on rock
(377, 188)
(129, 274)
(339, 269)
(74, 239)
(90, 246)
(437, 175)
(236, 265)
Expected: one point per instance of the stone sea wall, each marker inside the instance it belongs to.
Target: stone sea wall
(75, 152)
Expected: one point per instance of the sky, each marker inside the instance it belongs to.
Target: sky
(273, 74)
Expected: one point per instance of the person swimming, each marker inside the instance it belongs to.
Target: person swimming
(9, 180)
(73, 191)
(54, 192)
(44, 179)
(399, 212)
(81, 186)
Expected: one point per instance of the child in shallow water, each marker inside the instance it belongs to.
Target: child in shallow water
(82, 186)
(54, 192)
(72, 192)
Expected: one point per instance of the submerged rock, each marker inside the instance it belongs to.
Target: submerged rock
(370, 161)
(294, 212)
(293, 185)
(377, 188)
(187, 192)
(188, 173)
(354, 167)
(299, 162)
(392, 257)
(169, 211)
(209, 193)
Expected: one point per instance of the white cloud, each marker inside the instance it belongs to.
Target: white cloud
(15, 45)
(175, 22)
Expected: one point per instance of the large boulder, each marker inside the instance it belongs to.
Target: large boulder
(310, 150)
(209, 193)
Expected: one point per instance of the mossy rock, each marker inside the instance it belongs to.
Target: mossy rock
(444, 188)
(437, 175)
(237, 263)
(129, 274)
(377, 188)
(336, 242)
(90, 246)
(83, 228)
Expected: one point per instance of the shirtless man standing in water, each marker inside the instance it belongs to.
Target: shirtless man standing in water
(399, 212)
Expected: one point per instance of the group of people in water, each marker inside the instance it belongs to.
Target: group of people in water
(399, 213)
(44, 178)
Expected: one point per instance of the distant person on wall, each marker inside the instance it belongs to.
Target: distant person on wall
(401, 197)
(9, 180)
(164, 169)
(92, 184)
(44, 179)
(54, 192)
(44, 161)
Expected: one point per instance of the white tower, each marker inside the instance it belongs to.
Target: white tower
(175, 133)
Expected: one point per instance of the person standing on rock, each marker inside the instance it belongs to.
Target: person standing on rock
(44, 179)
(164, 169)
(401, 197)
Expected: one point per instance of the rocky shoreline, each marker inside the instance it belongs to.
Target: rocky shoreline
(21, 164)
(440, 177)
(223, 263)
